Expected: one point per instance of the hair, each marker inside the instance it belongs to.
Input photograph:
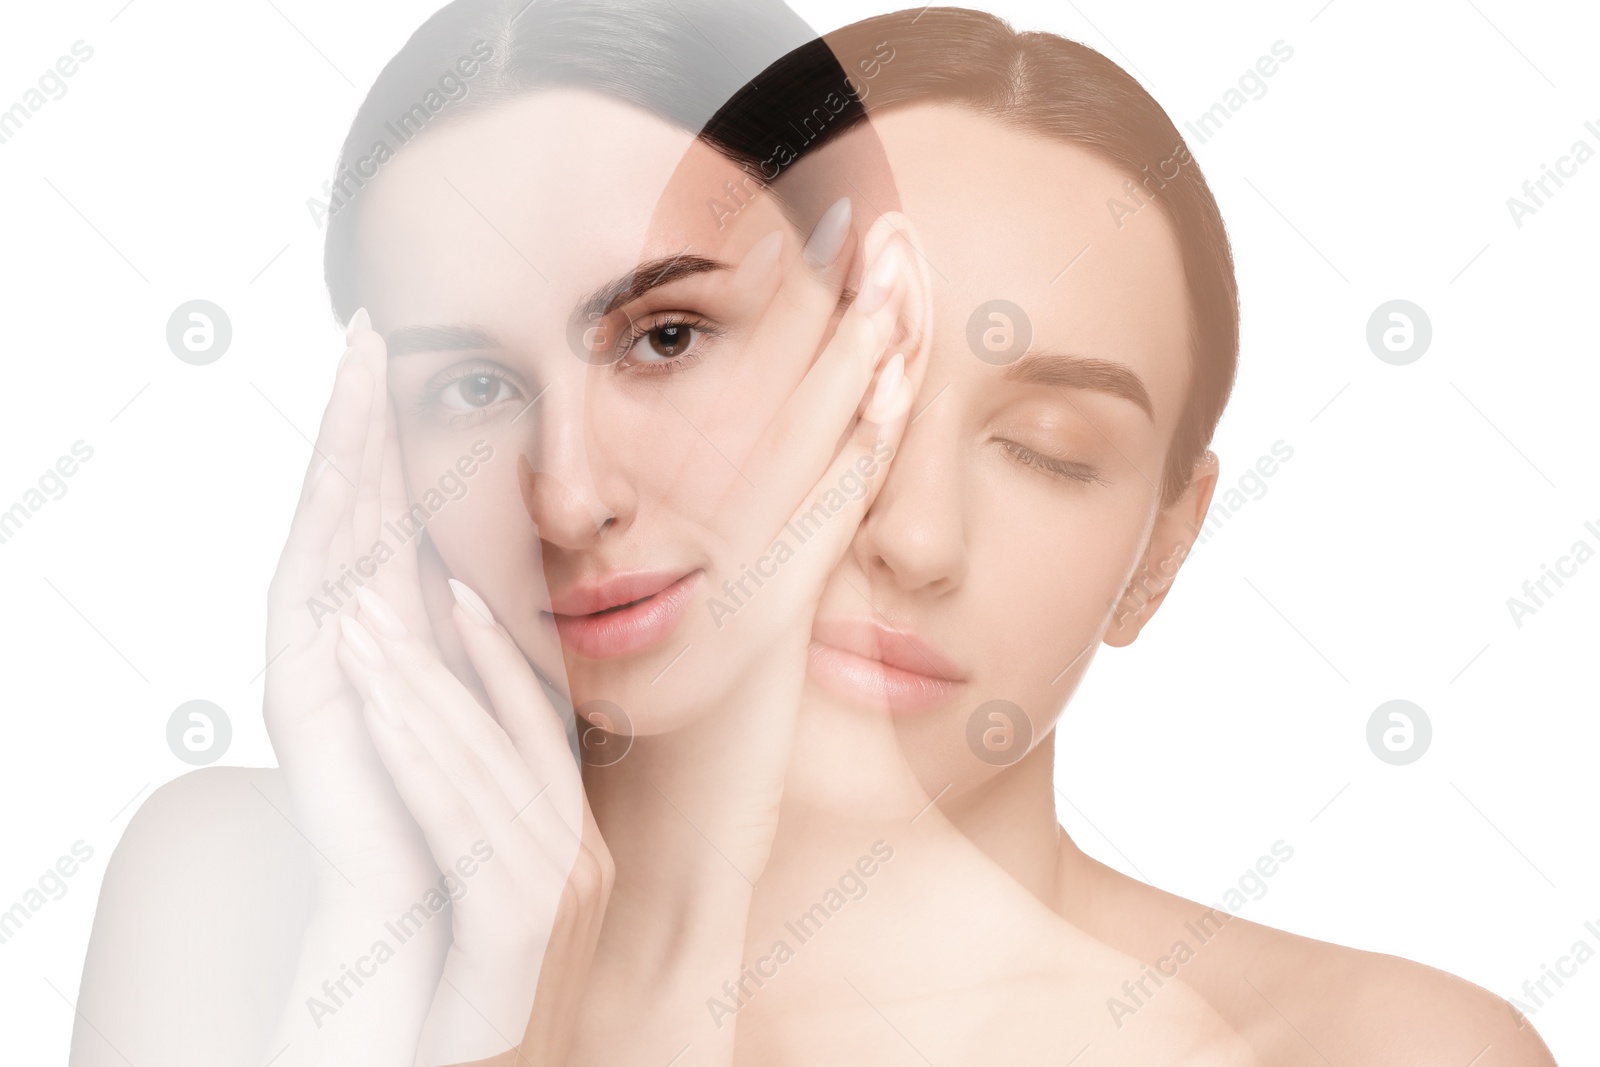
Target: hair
(1043, 84)
(682, 60)
(685, 61)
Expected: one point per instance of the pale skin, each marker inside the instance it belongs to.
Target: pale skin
(988, 937)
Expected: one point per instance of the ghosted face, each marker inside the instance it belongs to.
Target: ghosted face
(1027, 488)
(575, 388)
(556, 279)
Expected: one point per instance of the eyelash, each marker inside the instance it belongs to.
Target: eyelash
(1074, 471)
(432, 402)
(638, 330)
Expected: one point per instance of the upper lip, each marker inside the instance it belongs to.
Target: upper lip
(613, 591)
(874, 639)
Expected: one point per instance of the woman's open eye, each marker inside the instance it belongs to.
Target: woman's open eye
(467, 392)
(664, 342)
(474, 392)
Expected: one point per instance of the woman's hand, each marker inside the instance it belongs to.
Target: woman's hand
(370, 860)
(783, 525)
(501, 803)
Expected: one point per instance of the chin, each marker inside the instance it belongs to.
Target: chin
(858, 764)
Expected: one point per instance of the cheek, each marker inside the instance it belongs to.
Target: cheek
(685, 443)
(475, 516)
(1050, 577)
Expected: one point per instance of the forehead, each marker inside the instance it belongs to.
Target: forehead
(1007, 214)
(530, 202)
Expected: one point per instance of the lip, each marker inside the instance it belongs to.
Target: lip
(866, 662)
(623, 614)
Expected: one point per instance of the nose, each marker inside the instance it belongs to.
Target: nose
(915, 533)
(563, 515)
(558, 485)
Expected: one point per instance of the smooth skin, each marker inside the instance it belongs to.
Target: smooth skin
(1021, 525)
(987, 921)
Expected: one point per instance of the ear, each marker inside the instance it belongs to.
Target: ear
(913, 332)
(1173, 536)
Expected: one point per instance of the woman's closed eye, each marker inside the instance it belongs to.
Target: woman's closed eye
(1060, 468)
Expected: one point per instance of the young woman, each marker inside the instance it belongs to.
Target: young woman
(815, 545)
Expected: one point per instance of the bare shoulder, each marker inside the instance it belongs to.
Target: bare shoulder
(1296, 1000)
(200, 909)
(1366, 1007)
(211, 827)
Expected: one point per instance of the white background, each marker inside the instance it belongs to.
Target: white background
(1377, 565)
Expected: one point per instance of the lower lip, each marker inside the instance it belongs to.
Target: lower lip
(625, 631)
(875, 684)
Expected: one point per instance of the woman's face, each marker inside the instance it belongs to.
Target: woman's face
(1026, 490)
(568, 480)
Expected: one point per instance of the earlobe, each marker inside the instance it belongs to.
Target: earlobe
(1170, 544)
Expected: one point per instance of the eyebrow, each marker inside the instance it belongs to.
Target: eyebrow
(651, 274)
(408, 339)
(622, 290)
(1081, 372)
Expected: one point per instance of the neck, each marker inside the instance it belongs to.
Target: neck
(1011, 819)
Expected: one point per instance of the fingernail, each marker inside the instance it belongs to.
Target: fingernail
(472, 602)
(384, 618)
(886, 395)
(880, 280)
(358, 322)
(761, 258)
(350, 354)
(361, 642)
(827, 240)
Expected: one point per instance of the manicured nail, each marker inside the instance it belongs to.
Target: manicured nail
(880, 280)
(358, 322)
(827, 240)
(762, 257)
(886, 396)
(384, 618)
(361, 642)
(472, 602)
